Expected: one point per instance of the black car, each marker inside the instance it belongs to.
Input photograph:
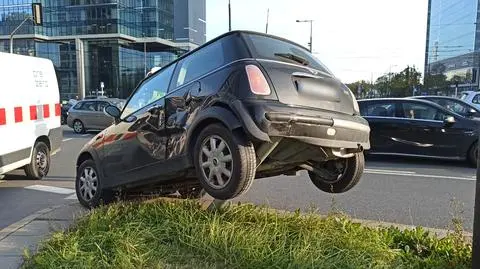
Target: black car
(453, 104)
(243, 106)
(415, 127)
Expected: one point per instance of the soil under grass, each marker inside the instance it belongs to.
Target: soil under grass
(181, 235)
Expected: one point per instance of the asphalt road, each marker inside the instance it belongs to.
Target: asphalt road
(400, 190)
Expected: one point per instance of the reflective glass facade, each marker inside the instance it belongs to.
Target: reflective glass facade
(453, 43)
(111, 41)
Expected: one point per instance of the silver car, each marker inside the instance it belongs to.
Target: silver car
(88, 114)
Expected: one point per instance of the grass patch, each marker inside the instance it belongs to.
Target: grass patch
(181, 235)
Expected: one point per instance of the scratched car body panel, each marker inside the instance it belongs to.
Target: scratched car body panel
(225, 114)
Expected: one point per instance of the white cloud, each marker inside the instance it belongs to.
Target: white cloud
(356, 39)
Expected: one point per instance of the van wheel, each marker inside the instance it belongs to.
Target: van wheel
(338, 176)
(225, 162)
(473, 154)
(88, 186)
(78, 127)
(40, 162)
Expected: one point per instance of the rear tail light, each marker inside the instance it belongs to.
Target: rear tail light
(256, 79)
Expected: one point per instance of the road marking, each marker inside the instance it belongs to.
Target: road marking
(388, 171)
(71, 197)
(85, 135)
(67, 139)
(50, 189)
(419, 175)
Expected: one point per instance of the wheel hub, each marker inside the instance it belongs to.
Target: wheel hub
(88, 183)
(216, 162)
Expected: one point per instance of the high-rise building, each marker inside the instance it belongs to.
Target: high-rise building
(453, 43)
(109, 42)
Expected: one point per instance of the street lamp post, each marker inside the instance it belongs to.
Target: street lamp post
(311, 32)
(229, 16)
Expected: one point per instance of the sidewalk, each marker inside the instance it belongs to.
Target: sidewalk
(30, 231)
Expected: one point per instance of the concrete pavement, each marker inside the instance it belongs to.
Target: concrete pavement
(25, 235)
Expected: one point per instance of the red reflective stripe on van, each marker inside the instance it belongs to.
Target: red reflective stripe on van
(33, 113)
(3, 117)
(129, 136)
(58, 110)
(46, 111)
(18, 114)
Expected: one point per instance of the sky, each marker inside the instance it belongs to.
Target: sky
(356, 39)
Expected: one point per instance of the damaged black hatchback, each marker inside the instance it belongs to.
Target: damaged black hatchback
(243, 106)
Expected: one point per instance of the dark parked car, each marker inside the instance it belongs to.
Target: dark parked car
(453, 104)
(415, 127)
(243, 106)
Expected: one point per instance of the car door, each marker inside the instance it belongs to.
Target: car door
(384, 124)
(428, 134)
(188, 93)
(103, 120)
(135, 147)
(87, 114)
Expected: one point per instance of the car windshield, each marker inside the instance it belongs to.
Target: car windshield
(464, 96)
(276, 49)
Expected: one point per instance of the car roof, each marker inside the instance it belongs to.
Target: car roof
(231, 33)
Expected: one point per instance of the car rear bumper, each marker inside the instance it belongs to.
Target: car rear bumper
(316, 127)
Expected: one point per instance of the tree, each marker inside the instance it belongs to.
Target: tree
(399, 84)
(360, 88)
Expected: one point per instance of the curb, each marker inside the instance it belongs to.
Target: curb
(12, 228)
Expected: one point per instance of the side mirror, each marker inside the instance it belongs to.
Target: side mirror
(112, 111)
(449, 120)
(471, 112)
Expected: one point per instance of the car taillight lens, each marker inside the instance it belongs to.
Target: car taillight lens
(256, 79)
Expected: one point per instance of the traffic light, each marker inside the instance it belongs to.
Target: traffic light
(37, 14)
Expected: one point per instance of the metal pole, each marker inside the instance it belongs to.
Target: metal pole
(311, 35)
(14, 31)
(229, 17)
(476, 222)
(145, 55)
(266, 27)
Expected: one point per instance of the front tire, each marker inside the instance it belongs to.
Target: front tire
(39, 163)
(473, 155)
(89, 186)
(340, 175)
(225, 162)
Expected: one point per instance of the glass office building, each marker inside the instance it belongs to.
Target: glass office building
(452, 45)
(111, 41)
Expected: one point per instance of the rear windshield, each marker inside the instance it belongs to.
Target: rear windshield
(265, 47)
(464, 96)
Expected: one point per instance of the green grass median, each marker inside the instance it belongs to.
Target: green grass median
(179, 234)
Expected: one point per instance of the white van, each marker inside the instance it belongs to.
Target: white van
(30, 111)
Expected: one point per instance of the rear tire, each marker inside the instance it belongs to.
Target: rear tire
(472, 155)
(225, 162)
(341, 176)
(39, 163)
(89, 186)
(78, 127)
